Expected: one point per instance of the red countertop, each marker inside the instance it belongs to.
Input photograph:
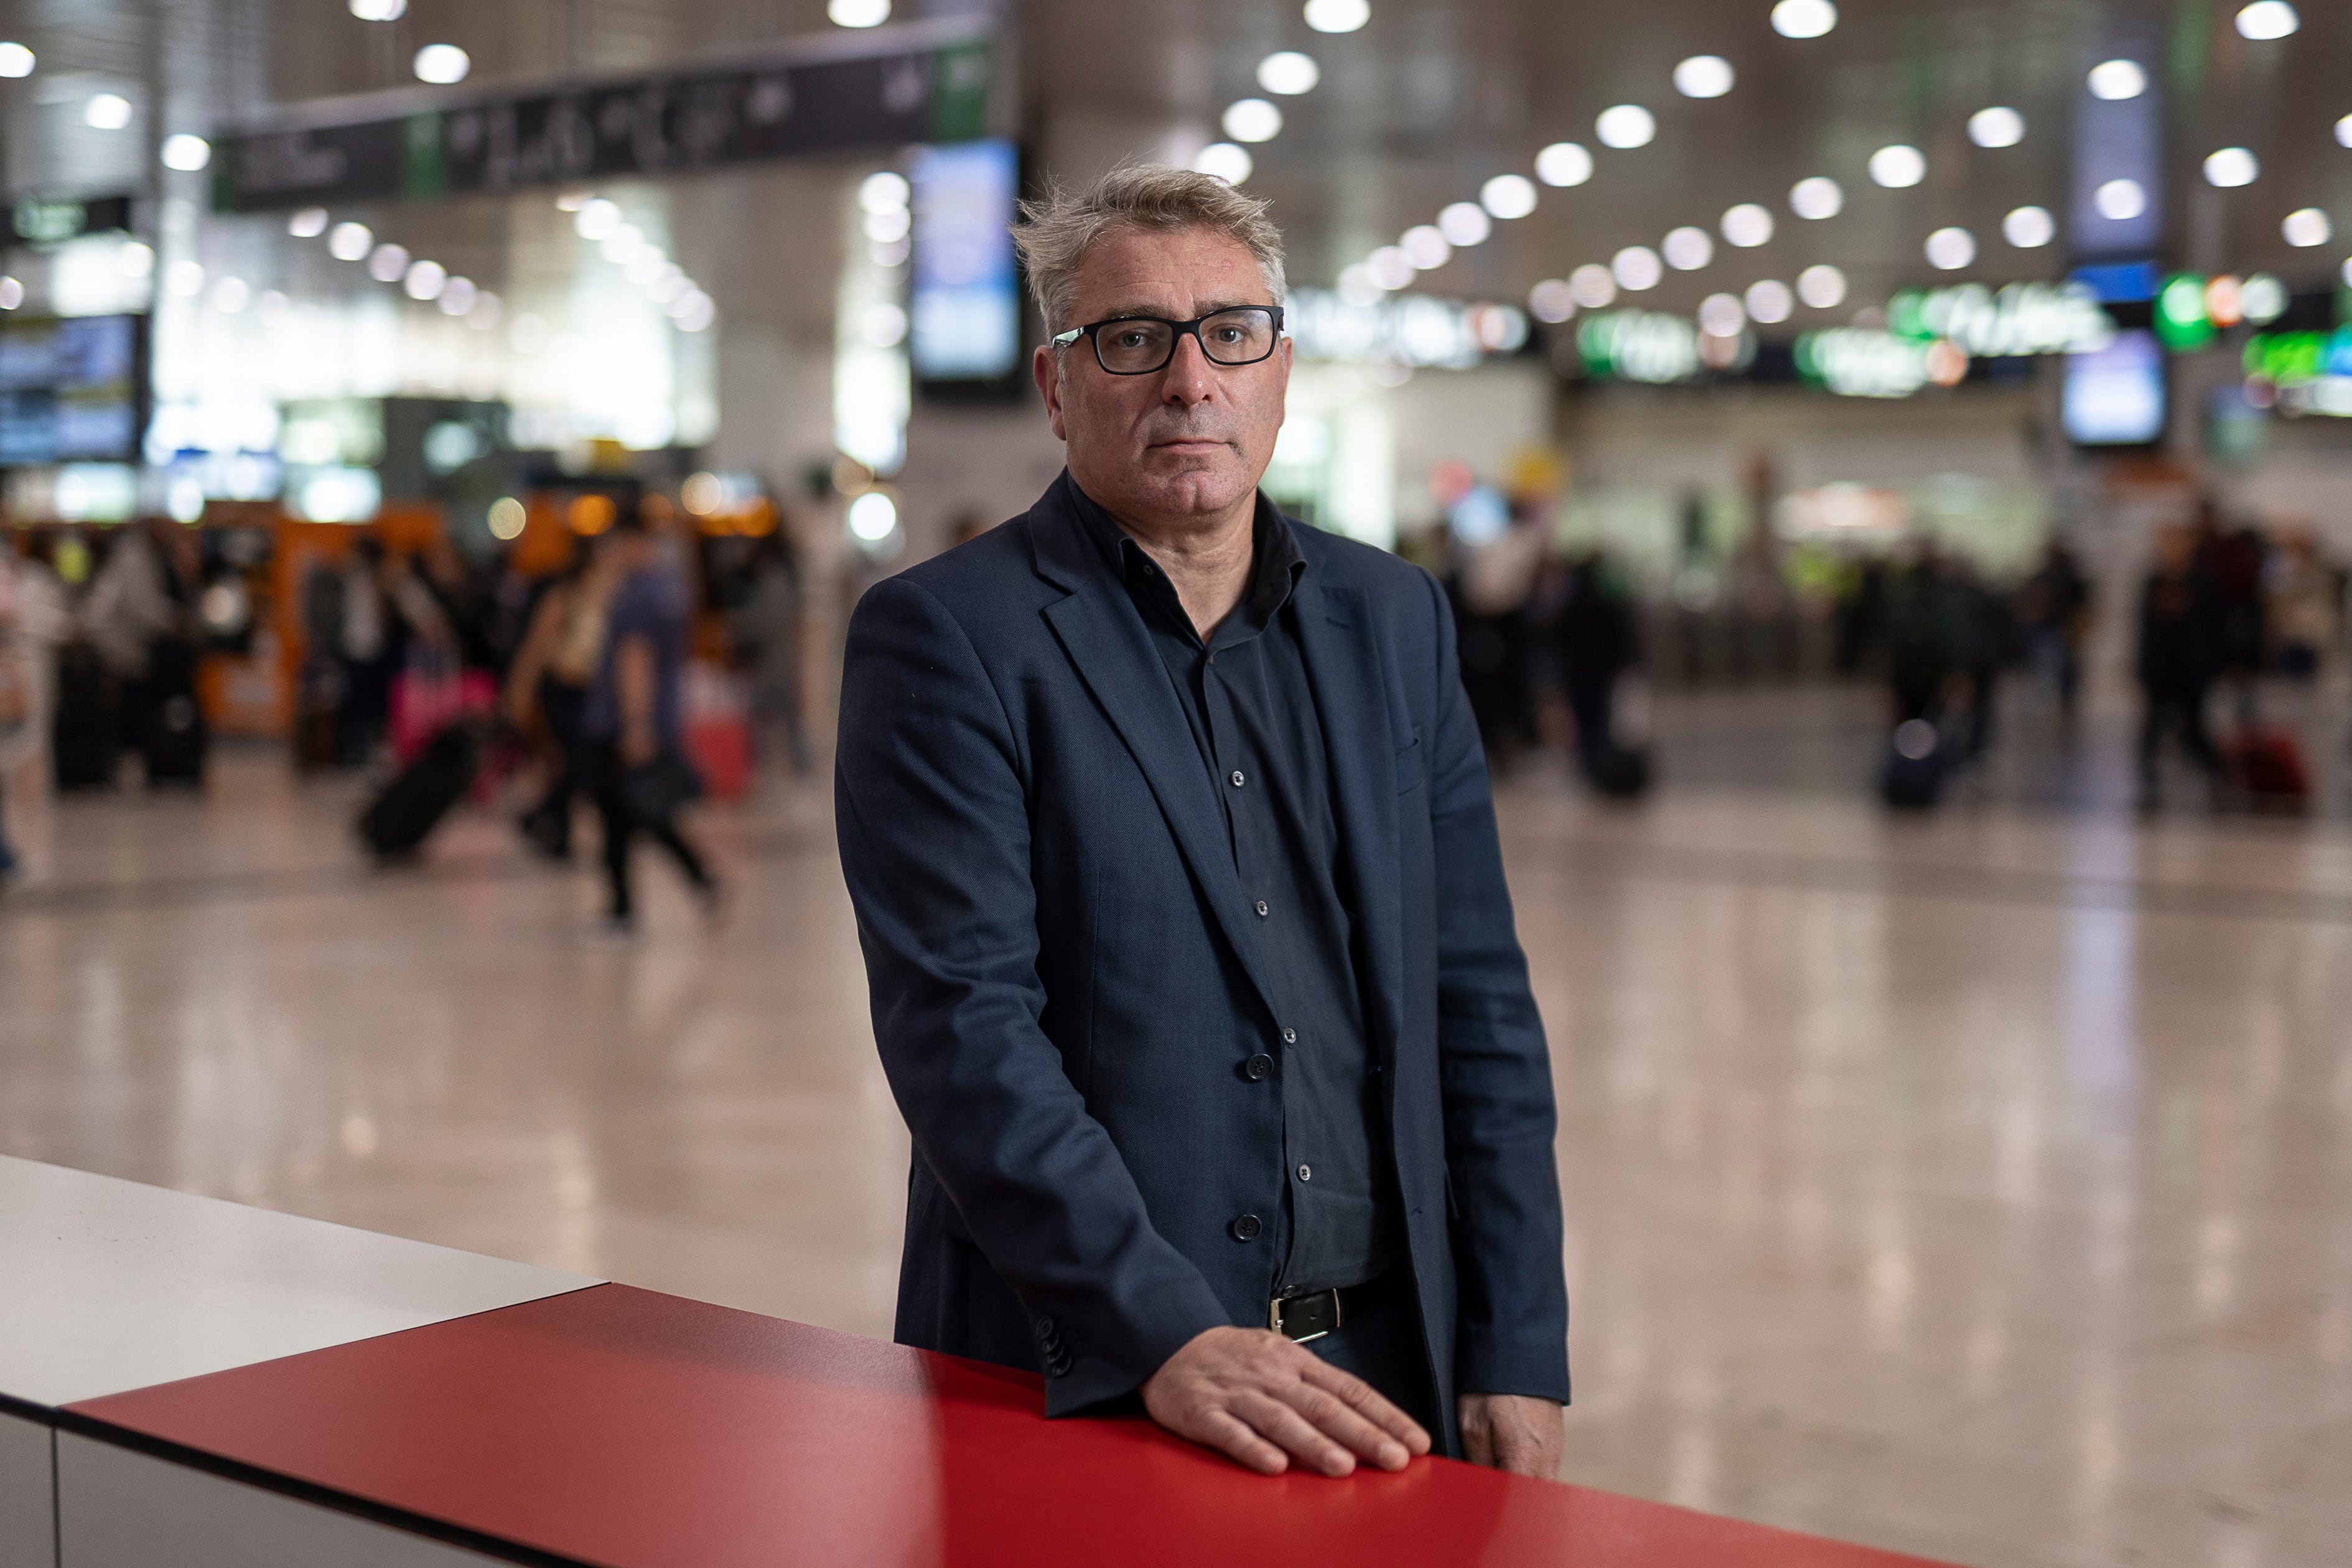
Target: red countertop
(626, 1429)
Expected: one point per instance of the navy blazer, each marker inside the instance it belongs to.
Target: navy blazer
(1065, 980)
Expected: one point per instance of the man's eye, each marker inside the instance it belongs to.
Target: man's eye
(1129, 340)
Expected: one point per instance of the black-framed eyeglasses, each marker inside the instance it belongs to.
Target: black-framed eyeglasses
(1138, 345)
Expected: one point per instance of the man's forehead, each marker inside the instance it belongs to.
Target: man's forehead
(1197, 268)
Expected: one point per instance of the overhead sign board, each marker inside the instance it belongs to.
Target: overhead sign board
(45, 220)
(931, 87)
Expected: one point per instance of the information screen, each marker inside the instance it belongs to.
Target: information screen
(2115, 397)
(69, 390)
(965, 314)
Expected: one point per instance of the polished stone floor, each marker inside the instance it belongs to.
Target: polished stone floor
(1979, 1186)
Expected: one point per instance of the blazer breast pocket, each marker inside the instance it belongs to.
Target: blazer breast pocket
(1408, 773)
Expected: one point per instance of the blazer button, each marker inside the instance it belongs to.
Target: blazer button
(1261, 907)
(1260, 1067)
(1246, 1228)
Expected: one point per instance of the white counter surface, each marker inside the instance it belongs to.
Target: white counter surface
(110, 1285)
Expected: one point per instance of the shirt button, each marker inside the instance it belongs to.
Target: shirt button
(1305, 1175)
(1261, 907)
(1238, 780)
(1246, 1228)
(1259, 1067)
(1289, 1037)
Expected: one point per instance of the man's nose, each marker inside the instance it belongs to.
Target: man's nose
(1189, 378)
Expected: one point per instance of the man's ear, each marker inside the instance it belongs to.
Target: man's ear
(1045, 368)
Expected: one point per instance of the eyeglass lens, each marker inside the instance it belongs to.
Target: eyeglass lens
(1133, 347)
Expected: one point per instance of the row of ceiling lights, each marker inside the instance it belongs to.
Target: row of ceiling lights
(1895, 167)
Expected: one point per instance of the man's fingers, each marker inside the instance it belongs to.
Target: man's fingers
(1231, 1436)
(1366, 1402)
(1279, 1423)
(1331, 1416)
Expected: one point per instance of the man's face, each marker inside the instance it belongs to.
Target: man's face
(1186, 442)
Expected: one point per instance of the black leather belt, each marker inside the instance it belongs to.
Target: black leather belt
(1316, 1313)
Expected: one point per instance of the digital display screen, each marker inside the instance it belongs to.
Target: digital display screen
(964, 315)
(69, 390)
(2115, 397)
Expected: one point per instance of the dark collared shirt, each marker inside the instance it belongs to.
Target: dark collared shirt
(1246, 694)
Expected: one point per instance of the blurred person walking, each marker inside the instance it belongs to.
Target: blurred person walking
(768, 634)
(1595, 638)
(140, 615)
(34, 621)
(2180, 617)
(547, 686)
(364, 648)
(2053, 608)
(1492, 594)
(633, 718)
(1167, 827)
(2307, 601)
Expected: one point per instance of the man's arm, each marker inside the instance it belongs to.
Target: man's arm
(933, 820)
(1495, 1075)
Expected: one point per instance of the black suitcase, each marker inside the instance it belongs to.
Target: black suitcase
(1912, 776)
(176, 737)
(1621, 772)
(83, 745)
(397, 821)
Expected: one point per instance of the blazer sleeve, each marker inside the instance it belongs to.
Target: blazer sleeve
(1495, 1075)
(933, 819)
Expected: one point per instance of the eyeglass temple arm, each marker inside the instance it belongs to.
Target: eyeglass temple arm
(1063, 340)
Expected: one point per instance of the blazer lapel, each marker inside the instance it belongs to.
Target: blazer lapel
(1105, 638)
(1343, 661)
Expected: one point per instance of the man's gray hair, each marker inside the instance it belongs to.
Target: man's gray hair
(1056, 233)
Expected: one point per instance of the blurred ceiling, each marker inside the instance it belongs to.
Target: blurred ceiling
(1415, 111)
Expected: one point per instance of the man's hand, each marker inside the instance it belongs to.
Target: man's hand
(1257, 1399)
(1512, 1432)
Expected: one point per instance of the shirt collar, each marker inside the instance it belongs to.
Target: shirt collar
(1275, 565)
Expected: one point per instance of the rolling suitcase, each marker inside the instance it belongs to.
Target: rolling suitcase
(1912, 776)
(176, 737)
(2266, 762)
(83, 746)
(397, 821)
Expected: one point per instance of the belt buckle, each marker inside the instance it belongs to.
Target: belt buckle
(1300, 1318)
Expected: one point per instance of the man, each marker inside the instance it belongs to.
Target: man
(1192, 961)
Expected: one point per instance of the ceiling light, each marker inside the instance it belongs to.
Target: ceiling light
(1224, 160)
(645, 265)
(135, 258)
(1996, 127)
(597, 220)
(1551, 301)
(106, 111)
(1951, 249)
(1704, 76)
(308, 223)
(2261, 299)
(1687, 249)
(184, 278)
(1465, 223)
(442, 64)
(2028, 228)
(1288, 73)
(1721, 315)
(2267, 19)
(2230, 167)
(1636, 268)
(1822, 285)
(1508, 196)
(1568, 164)
(1768, 301)
(885, 325)
(379, 10)
(15, 60)
(1818, 197)
(1803, 19)
(2343, 131)
(12, 293)
(1425, 245)
(2306, 226)
(884, 191)
(2120, 200)
(186, 152)
(425, 280)
(888, 227)
(857, 13)
(1253, 120)
(621, 245)
(456, 296)
(231, 295)
(1898, 167)
(2118, 80)
(349, 242)
(1626, 125)
(1338, 15)
(1357, 288)
(1390, 267)
(699, 313)
(1747, 225)
(388, 263)
(1593, 285)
